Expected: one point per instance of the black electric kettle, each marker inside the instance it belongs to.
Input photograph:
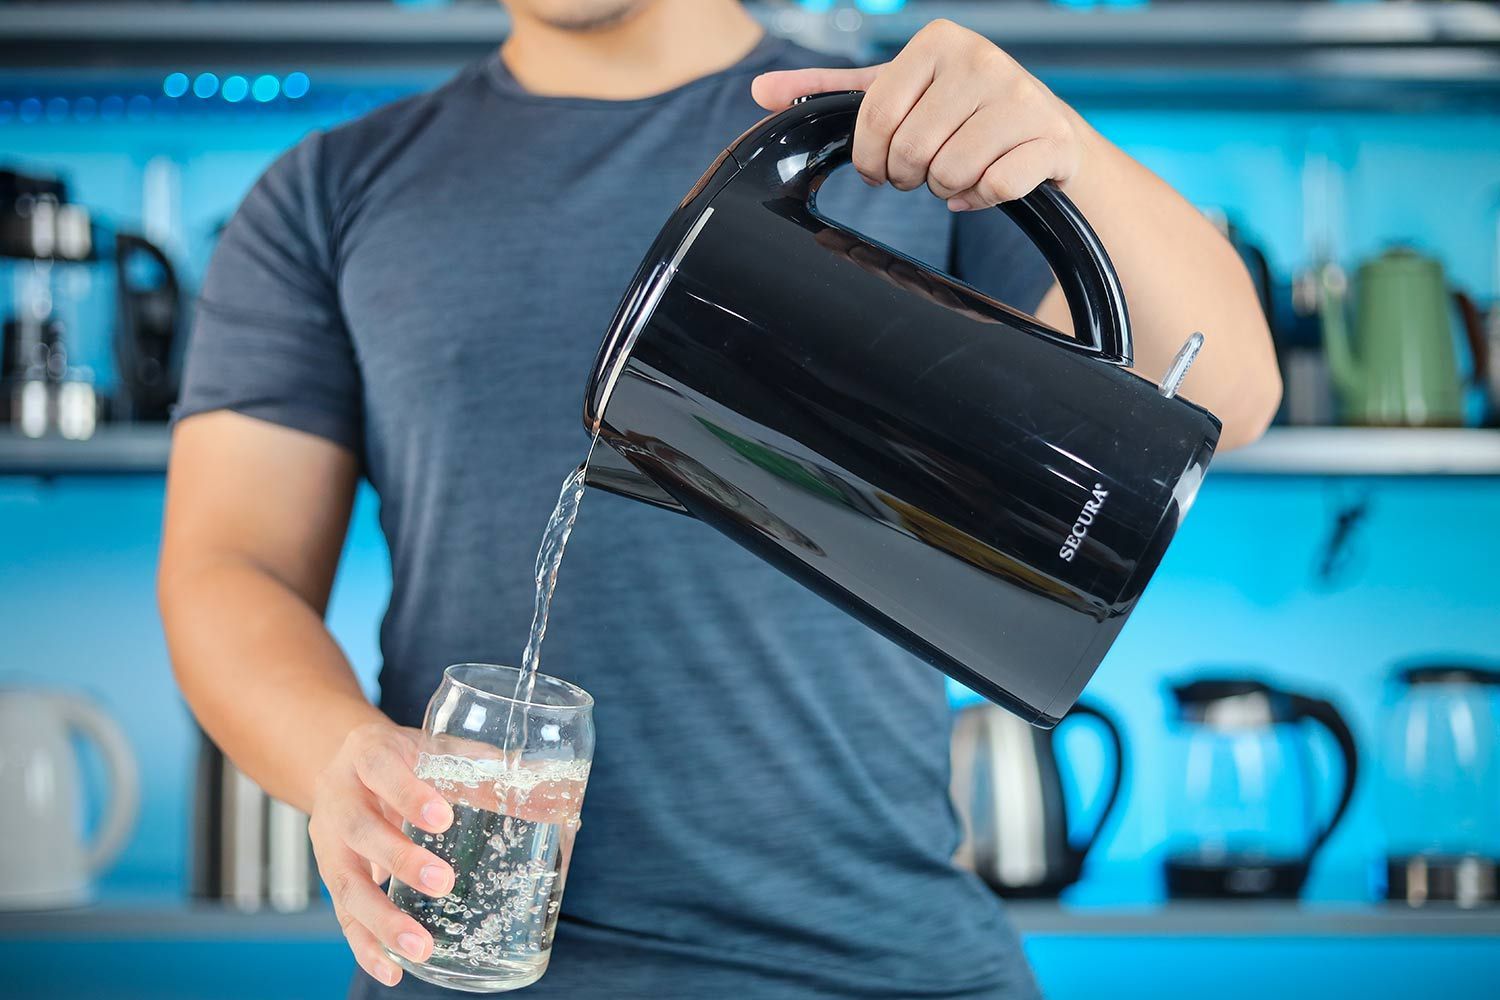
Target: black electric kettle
(984, 490)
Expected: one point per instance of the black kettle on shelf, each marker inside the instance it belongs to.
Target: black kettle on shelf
(1007, 789)
(1244, 795)
(988, 492)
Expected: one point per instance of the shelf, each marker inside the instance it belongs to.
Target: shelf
(1272, 920)
(170, 920)
(113, 450)
(1285, 451)
(1319, 54)
(1361, 451)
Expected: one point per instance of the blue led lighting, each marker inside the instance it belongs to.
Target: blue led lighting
(30, 110)
(295, 85)
(235, 89)
(7, 109)
(175, 85)
(112, 107)
(266, 88)
(206, 85)
(84, 109)
(139, 106)
(57, 109)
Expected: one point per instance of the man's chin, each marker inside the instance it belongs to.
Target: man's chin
(586, 15)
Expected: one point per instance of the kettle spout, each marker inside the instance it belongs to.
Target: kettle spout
(607, 469)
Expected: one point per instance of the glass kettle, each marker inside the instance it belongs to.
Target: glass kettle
(1244, 799)
(1440, 791)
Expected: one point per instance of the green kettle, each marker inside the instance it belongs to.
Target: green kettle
(1399, 366)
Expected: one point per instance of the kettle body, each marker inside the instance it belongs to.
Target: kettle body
(1007, 789)
(987, 492)
(1440, 787)
(1399, 365)
(46, 861)
(1244, 795)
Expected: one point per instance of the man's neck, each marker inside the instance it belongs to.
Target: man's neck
(666, 44)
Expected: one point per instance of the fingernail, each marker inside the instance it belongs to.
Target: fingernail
(411, 946)
(435, 816)
(389, 974)
(434, 877)
(959, 205)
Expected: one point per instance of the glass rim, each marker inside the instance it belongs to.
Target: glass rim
(581, 699)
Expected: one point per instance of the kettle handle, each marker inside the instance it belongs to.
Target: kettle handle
(818, 133)
(1473, 324)
(114, 828)
(1325, 714)
(1112, 798)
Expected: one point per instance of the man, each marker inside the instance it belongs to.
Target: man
(416, 298)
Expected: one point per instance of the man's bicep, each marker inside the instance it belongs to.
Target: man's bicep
(243, 488)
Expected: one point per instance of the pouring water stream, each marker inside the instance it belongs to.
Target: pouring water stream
(548, 562)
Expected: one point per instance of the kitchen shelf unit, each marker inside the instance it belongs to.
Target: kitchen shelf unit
(1285, 451)
(113, 450)
(1386, 55)
(173, 920)
(1367, 451)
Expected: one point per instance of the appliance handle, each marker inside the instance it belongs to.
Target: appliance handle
(114, 829)
(822, 127)
(127, 244)
(1116, 740)
(1325, 714)
(1473, 323)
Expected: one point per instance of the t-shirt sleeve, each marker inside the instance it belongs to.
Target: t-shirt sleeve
(269, 338)
(991, 253)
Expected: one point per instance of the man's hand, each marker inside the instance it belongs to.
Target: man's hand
(954, 112)
(362, 797)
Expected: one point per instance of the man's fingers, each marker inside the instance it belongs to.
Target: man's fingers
(888, 100)
(373, 838)
(368, 953)
(776, 91)
(1014, 175)
(942, 111)
(362, 906)
(988, 135)
(385, 771)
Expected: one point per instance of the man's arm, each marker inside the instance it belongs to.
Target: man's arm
(1179, 276)
(256, 518)
(956, 113)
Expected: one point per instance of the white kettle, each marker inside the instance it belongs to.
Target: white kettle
(44, 859)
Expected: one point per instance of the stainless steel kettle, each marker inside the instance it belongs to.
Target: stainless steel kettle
(988, 492)
(1007, 789)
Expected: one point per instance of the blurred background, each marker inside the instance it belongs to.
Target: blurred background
(1325, 632)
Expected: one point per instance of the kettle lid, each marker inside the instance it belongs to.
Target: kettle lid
(1231, 701)
(1448, 673)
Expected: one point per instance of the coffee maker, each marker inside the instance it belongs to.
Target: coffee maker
(54, 247)
(41, 392)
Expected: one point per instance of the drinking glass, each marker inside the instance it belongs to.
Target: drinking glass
(514, 769)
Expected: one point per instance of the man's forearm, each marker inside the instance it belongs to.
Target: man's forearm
(261, 672)
(1179, 276)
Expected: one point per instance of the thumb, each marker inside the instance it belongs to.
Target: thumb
(776, 91)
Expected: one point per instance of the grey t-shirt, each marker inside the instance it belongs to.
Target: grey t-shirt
(427, 286)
